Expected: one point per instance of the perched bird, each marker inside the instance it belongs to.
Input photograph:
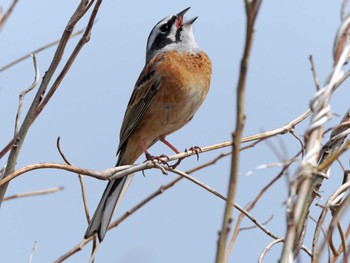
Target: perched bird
(169, 90)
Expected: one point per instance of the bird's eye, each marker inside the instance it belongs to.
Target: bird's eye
(164, 28)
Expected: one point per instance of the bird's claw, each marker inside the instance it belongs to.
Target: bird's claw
(196, 150)
(159, 159)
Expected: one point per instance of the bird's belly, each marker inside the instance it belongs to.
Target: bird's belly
(171, 111)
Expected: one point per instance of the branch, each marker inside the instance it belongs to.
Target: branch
(35, 193)
(252, 9)
(331, 202)
(3, 18)
(81, 181)
(38, 102)
(79, 246)
(307, 178)
(254, 202)
(23, 93)
(36, 51)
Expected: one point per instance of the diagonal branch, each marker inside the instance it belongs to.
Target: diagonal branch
(34, 111)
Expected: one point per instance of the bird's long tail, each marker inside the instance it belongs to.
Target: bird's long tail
(111, 198)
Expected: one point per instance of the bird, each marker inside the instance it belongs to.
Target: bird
(171, 87)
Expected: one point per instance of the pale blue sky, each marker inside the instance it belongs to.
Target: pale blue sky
(182, 224)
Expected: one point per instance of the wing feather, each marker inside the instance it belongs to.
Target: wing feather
(146, 87)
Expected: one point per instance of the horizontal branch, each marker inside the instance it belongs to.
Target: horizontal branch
(121, 171)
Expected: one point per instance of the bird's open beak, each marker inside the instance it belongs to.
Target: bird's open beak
(180, 16)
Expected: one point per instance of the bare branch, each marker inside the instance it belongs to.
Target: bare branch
(38, 102)
(33, 251)
(81, 181)
(313, 70)
(307, 179)
(332, 200)
(23, 93)
(254, 202)
(268, 247)
(3, 18)
(35, 193)
(36, 51)
(252, 9)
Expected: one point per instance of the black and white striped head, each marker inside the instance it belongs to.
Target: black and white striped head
(172, 33)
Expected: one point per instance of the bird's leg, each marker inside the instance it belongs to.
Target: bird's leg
(163, 140)
(144, 149)
(150, 157)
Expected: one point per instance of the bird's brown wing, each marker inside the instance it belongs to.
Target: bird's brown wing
(147, 85)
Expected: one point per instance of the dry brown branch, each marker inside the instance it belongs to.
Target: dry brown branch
(82, 187)
(36, 51)
(103, 175)
(24, 92)
(253, 203)
(341, 246)
(39, 102)
(252, 9)
(121, 171)
(74, 250)
(81, 181)
(332, 200)
(274, 242)
(282, 130)
(83, 40)
(314, 75)
(260, 136)
(158, 192)
(3, 18)
(35, 193)
(253, 227)
(309, 177)
(268, 247)
(213, 191)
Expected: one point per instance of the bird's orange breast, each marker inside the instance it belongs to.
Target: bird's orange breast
(184, 84)
(185, 80)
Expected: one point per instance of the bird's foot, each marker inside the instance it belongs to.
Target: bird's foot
(159, 159)
(195, 149)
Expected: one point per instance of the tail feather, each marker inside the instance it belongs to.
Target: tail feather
(111, 198)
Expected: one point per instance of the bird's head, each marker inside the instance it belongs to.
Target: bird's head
(172, 33)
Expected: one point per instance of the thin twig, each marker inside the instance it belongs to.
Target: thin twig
(3, 18)
(335, 219)
(331, 200)
(341, 246)
(35, 193)
(38, 101)
(82, 188)
(81, 181)
(313, 70)
(216, 193)
(33, 251)
(158, 192)
(253, 203)
(253, 227)
(36, 51)
(24, 92)
(268, 247)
